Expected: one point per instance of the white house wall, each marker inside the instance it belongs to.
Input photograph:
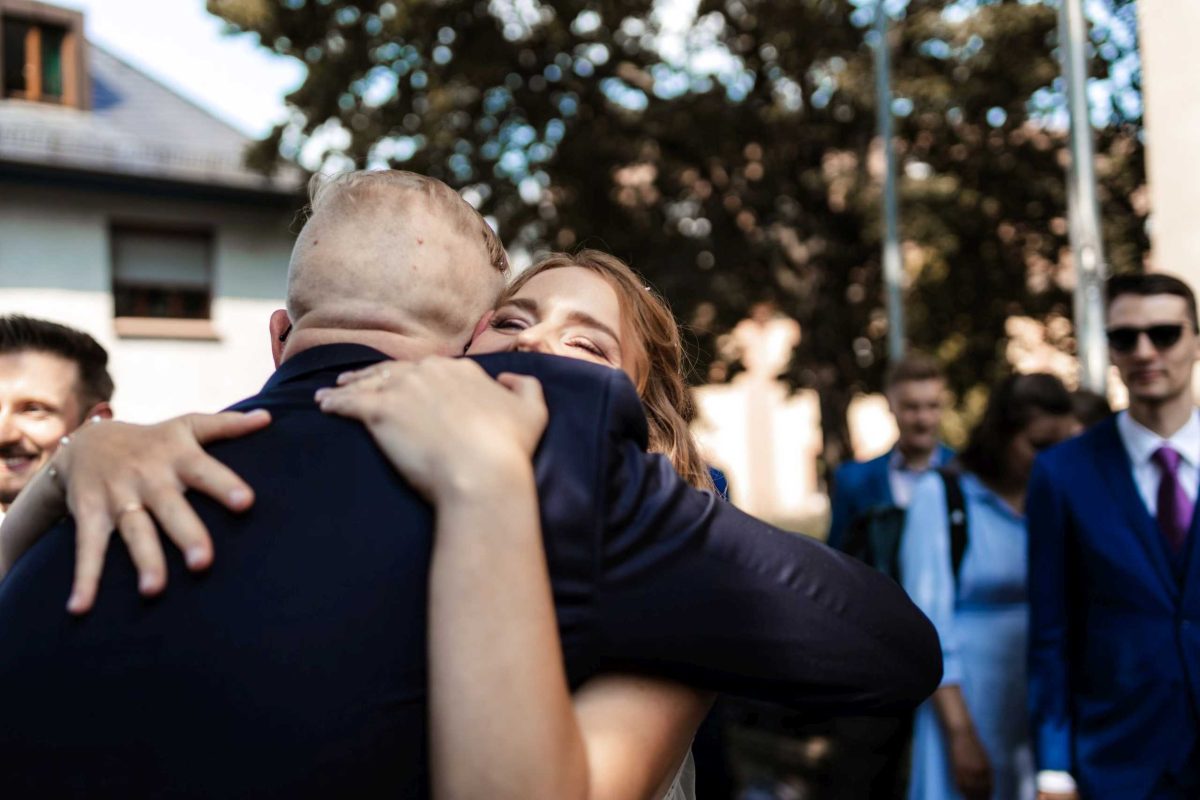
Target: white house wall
(55, 263)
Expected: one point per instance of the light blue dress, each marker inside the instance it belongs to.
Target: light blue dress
(983, 623)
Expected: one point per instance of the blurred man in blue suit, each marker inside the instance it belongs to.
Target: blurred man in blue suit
(869, 753)
(916, 390)
(1114, 570)
(296, 667)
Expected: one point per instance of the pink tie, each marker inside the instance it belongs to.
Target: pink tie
(1174, 507)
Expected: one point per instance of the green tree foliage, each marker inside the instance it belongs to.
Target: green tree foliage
(737, 162)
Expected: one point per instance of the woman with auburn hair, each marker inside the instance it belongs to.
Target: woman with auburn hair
(616, 737)
(657, 371)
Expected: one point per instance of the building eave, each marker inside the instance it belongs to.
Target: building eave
(69, 177)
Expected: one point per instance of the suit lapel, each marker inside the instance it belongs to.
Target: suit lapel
(1191, 584)
(883, 479)
(1114, 464)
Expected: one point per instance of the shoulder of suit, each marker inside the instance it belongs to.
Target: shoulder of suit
(603, 389)
(1083, 446)
(855, 470)
(557, 370)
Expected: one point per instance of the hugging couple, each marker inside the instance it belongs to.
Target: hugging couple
(398, 571)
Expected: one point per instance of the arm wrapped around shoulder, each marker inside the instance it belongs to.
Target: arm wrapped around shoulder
(726, 602)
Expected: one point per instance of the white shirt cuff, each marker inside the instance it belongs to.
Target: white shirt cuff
(1055, 781)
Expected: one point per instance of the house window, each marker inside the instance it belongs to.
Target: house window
(43, 55)
(161, 275)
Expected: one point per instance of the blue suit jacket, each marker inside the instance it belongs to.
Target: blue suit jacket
(859, 486)
(296, 666)
(1114, 657)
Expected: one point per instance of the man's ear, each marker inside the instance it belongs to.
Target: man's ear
(481, 326)
(102, 410)
(281, 326)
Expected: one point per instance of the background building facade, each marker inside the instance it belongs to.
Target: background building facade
(127, 212)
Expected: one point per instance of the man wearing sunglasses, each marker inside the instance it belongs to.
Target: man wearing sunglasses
(1114, 570)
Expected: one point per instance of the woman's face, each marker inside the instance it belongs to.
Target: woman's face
(1044, 430)
(568, 311)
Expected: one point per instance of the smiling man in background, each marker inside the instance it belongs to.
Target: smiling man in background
(52, 378)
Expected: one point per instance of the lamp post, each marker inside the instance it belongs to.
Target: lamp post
(1087, 245)
(892, 270)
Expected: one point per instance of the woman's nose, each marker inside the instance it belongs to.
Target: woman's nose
(532, 340)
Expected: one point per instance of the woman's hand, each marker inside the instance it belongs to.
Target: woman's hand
(443, 422)
(969, 762)
(114, 474)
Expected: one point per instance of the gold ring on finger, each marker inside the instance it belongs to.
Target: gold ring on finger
(129, 508)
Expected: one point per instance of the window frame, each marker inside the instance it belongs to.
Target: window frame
(40, 16)
(154, 327)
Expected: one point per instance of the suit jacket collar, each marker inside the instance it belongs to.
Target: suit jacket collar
(879, 480)
(942, 455)
(322, 358)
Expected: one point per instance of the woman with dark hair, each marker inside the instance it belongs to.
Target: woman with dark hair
(971, 738)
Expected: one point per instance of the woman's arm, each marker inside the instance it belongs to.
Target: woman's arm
(968, 759)
(637, 732)
(502, 720)
(503, 724)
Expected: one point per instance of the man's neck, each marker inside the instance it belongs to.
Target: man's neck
(916, 460)
(1165, 418)
(398, 346)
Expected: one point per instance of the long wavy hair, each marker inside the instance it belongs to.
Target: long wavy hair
(646, 317)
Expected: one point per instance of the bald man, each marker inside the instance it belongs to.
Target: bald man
(295, 666)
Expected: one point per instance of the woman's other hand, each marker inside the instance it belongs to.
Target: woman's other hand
(972, 770)
(443, 422)
(117, 475)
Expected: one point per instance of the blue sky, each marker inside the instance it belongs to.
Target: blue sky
(182, 45)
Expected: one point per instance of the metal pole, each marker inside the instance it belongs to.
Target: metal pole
(1087, 245)
(892, 270)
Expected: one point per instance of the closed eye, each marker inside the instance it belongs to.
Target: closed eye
(509, 324)
(590, 347)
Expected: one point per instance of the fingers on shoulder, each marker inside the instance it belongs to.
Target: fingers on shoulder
(527, 386)
(225, 425)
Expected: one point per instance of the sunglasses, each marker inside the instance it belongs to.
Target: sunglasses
(1125, 339)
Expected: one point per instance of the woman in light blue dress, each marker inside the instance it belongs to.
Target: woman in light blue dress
(970, 739)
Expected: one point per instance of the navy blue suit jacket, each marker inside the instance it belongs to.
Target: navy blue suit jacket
(296, 666)
(860, 486)
(1114, 656)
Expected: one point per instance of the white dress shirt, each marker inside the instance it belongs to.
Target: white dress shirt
(902, 479)
(1141, 443)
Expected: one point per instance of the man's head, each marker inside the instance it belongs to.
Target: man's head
(397, 260)
(916, 389)
(52, 378)
(1152, 336)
